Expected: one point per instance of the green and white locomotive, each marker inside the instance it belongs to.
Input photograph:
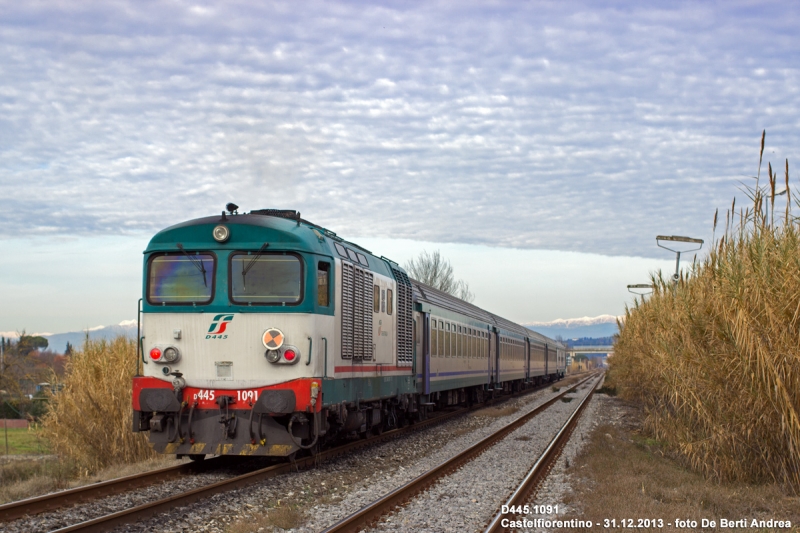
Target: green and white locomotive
(265, 334)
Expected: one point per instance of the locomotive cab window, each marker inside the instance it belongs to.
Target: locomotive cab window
(323, 284)
(266, 279)
(181, 279)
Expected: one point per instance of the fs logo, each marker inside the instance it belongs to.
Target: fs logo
(218, 325)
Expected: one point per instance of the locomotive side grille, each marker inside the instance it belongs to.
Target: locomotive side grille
(405, 320)
(366, 302)
(347, 310)
(356, 312)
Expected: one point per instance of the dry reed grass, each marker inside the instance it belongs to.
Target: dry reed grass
(90, 420)
(715, 359)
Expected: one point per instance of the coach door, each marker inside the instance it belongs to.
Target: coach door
(527, 360)
(495, 357)
(424, 353)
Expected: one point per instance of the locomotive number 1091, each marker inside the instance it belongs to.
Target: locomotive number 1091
(241, 395)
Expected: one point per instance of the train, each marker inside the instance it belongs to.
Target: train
(263, 334)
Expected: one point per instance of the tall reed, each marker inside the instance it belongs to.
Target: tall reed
(90, 420)
(715, 360)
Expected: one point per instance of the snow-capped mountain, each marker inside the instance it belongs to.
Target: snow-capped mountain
(572, 328)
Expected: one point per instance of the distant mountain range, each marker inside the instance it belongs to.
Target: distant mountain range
(570, 328)
(57, 342)
(575, 328)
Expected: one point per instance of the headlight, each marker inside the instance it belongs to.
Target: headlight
(171, 354)
(165, 354)
(289, 355)
(221, 233)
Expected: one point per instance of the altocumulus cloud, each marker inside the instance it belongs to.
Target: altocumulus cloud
(582, 126)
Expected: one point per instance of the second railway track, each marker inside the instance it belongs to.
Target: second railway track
(469, 494)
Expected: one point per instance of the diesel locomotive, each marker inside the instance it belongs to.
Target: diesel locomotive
(265, 334)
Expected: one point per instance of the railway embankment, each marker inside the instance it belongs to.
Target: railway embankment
(612, 472)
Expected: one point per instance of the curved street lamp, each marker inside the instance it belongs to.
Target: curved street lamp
(677, 238)
(641, 286)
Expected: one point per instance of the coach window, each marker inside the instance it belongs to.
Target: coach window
(473, 345)
(447, 345)
(389, 302)
(458, 342)
(434, 339)
(376, 299)
(323, 275)
(472, 350)
(441, 339)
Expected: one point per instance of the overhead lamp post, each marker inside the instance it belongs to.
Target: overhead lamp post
(676, 238)
(640, 286)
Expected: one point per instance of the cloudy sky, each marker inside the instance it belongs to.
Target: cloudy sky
(560, 136)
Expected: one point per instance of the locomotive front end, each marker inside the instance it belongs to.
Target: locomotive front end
(234, 312)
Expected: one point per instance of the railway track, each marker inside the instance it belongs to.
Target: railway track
(371, 514)
(58, 500)
(526, 490)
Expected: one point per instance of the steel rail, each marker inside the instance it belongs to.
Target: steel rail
(372, 512)
(541, 468)
(56, 500)
(50, 502)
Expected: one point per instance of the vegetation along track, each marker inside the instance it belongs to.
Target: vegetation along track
(51, 502)
(371, 514)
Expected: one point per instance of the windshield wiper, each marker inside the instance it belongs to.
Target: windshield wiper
(246, 269)
(196, 263)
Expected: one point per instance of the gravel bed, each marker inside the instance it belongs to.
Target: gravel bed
(558, 482)
(328, 492)
(343, 485)
(467, 499)
(50, 521)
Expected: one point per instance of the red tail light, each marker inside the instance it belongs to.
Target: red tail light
(155, 354)
(289, 355)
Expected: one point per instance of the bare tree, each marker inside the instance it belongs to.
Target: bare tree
(436, 271)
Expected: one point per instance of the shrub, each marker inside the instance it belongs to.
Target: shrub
(90, 420)
(715, 359)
